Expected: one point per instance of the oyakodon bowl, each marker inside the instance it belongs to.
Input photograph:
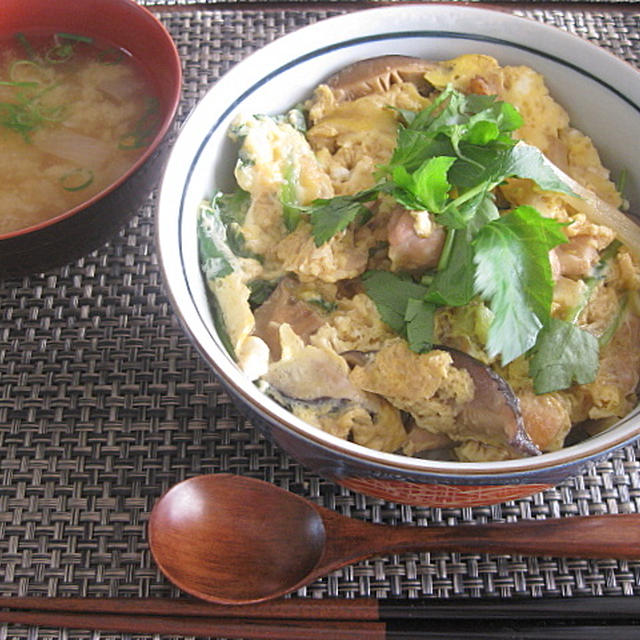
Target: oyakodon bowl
(602, 95)
(124, 25)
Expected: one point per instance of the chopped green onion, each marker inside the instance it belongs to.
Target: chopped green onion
(12, 83)
(59, 54)
(143, 129)
(76, 179)
(610, 331)
(28, 71)
(22, 39)
(74, 36)
(112, 55)
(55, 113)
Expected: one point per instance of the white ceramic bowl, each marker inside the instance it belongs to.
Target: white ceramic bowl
(602, 95)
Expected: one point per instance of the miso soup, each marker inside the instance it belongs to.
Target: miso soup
(75, 114)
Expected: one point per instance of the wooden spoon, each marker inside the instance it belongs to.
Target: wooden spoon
(236, 540)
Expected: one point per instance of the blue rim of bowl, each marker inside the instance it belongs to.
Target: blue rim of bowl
(517, 475)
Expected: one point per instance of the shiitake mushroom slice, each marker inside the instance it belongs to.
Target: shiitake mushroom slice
(494, 410)
(377, 75)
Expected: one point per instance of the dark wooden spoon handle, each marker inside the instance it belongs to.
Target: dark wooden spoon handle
(607, 536)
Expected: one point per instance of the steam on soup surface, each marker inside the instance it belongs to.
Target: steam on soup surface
(75, 114)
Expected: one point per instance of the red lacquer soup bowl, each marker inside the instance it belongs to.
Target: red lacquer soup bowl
(100, 174)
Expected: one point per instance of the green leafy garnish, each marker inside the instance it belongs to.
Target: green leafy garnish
(419, 320)
(260, 290)
(513, 275)
(427, 187)
(24, 42)
(464, 142)
(401, 304)
(289, 199)
(216, 259)
(391, 293)
(564, 354)
(453, 285)
(448, 160)
(329, 216)
(220, 240)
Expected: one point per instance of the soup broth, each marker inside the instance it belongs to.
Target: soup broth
(75, 114)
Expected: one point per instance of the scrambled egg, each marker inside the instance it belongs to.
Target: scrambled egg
(348, 372)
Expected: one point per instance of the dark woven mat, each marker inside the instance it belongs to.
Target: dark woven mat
(104, 404)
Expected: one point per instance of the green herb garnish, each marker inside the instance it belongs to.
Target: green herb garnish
(513, 275)
(448, 160)
(329, 216)
(220, 240)
(402, 305)
(564, 354)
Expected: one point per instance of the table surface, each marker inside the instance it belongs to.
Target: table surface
(104, 403)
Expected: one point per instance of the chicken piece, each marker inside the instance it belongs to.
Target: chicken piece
(284, 306)
(613, 393)
(409, 250)
(546, 418)
(576, 258)
(420, 441)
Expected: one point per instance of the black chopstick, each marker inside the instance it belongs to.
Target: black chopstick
(580, 608)
(511, 630)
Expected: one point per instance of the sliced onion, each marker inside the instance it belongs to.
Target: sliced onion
(600, 211)
(73, 147)
(121, 88)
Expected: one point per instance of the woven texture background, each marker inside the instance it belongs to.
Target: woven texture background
(104, 404)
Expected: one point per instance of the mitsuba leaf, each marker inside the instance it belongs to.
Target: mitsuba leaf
(290, 212)
(454, 284)
(230, 211)
(563, 355)
(391, 293)
(491, 166)
(216, 259)
(419, 321)
(513, 275)
(329, 216)
(427, 186)
(232, 207)
(471, 211)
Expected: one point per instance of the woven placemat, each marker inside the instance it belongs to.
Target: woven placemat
(104, 404)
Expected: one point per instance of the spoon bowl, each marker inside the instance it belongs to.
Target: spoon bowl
(236, 540)
(222, 526)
